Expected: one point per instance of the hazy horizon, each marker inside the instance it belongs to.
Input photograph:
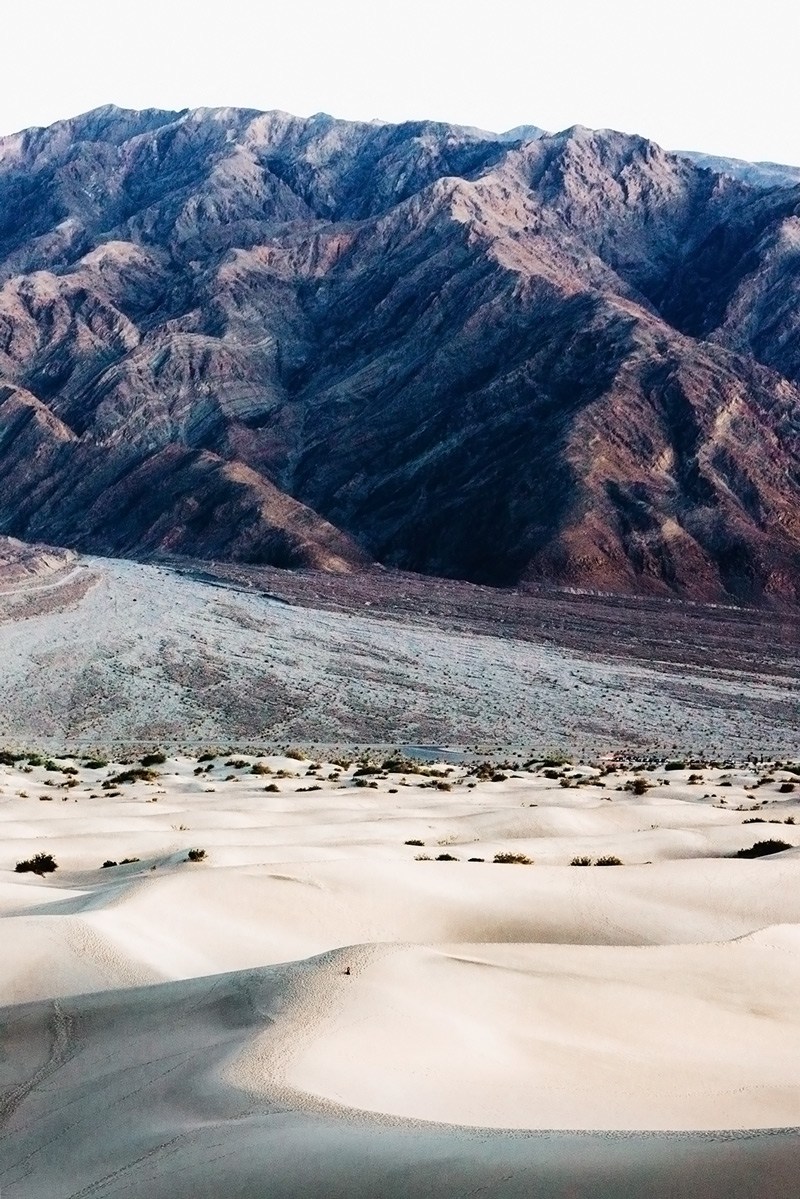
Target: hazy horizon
(681, 75)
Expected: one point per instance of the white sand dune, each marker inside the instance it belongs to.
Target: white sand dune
(201, 1013)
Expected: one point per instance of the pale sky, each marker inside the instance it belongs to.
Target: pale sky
(691, 74)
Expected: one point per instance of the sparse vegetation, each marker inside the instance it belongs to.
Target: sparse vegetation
(609, 860)
(196, 855)
(445, 857)
(40, 863)
(513, 859)
(297, 755)
(157, 758)
(414, 842)
(581, 861)
(93, 764)
(108, 863)
(272, 787)
(762, 848)
(138, 774)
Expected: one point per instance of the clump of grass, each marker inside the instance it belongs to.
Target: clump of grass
(196, 855)
(581, 861)
(40, 863)
(513, 859)
(609, 860)
(414, 842)
(422, 857)
(445, 857)
(128, 861)
(762, 848)
(296, 754)
(237, 763)
(260, 768)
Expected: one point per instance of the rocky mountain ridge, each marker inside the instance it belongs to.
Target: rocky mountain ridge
(255, 337)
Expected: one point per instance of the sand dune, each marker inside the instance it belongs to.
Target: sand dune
(202, 1013)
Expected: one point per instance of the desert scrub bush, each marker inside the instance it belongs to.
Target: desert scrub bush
(475, 859)
(762, 848)
(513, 859)
(440, 786)
(108, 862)
(754, 820)
(422, 857)
(637, 786)
(237, 763)
(445, 857)
(139, 774)
(40, 863)
(196, 855)
(414, 842)
(94, 764)
(785, 788)
(609, 860)
(556, 760)
(157, 758)
(361, 782)
(272, 787)
(35, 759)
(8, 757)
(260, 768)
(676, 764)
(342, 763)
(296, 754)
(128, 861)
(581, 861)
(206, 757)
(400, 765)
(365, 770)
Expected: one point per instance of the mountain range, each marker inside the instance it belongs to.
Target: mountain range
(570, 357)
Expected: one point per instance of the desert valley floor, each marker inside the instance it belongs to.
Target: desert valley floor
(356, 990)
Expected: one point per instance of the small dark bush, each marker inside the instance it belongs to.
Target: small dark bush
(755, 820)
(582, 861)
(196, 855)
(128, 861)
(35, 759)
(8, 757)
(414, 842)
(94, 764)
(785, 788)
(207, 757)
(551, 774)
(445, 857)
(362, 782)
(676, 765)
(499, 778)
(475, 859)
(40, 863)
(108, 863)
(155, 759)
(365, 770)
(260, 768)
(762, 848)
(444, 786)
(296, 754)
(237, 763)
(637, 786)
(609, 860)
(272, 787)
(556, 760)
(513, 859)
